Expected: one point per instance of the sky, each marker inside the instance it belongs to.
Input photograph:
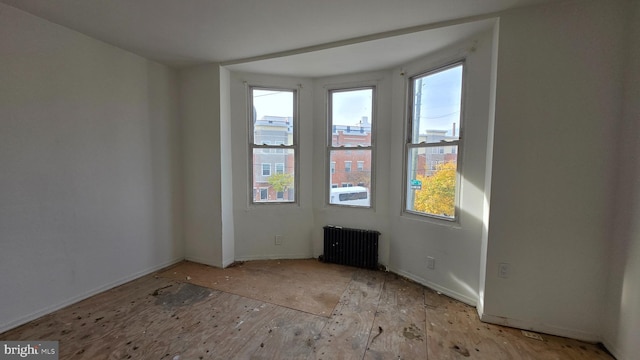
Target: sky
(273, 103)
(440, 102)
(350, 106)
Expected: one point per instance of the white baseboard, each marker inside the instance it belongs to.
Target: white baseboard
(450, 293)
(613, 350)
(541, 328)
(227, 262)
(72, 300)
(201, 261)
(275, 257)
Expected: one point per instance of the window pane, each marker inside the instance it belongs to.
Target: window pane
(351, 117)
(431, 177)
(437, 99)
(266, 169)
(347, 175)
(272, 116)
(276, 184)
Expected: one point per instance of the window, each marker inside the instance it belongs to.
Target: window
(350, 139)
(433, 141)
(266, 169)
(273, 140)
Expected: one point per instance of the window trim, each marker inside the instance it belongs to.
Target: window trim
(362, 85)
(409, 145)
(274, 148)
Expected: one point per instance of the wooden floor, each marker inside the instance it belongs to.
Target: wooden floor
(378, 316)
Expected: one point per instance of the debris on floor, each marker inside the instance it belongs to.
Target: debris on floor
(532, 335)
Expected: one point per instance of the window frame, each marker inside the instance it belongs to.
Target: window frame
(364, 85)
(431, 147)
(273, 149)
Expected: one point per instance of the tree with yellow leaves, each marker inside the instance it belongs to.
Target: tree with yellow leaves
(438, 192)
(281, 181)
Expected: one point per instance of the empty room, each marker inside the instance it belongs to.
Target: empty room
(279, 179)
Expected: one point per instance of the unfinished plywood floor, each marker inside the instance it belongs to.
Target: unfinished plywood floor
(378, 316)
(288, 283)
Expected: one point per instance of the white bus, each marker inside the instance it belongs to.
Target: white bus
(352, 196)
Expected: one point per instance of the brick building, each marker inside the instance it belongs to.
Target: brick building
(272, 130)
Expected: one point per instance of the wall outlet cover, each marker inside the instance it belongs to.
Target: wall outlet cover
(431, 263)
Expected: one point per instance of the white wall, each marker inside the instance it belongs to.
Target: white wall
(226, 169)
(90, 192)
(257, 225)
(558, 98)
(377, 217)
(455, 246)
(204, 114)
(486, 208)
(622, 311)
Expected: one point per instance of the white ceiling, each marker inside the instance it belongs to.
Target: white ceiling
(189, 32)
(378, 54)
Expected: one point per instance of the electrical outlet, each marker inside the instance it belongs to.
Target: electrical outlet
(431, 263)
(504, 270)
(278, 239)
